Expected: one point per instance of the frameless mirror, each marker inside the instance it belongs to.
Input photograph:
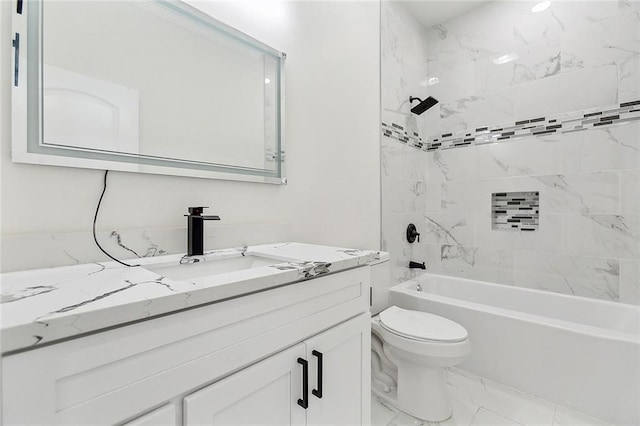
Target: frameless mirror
(149, 86)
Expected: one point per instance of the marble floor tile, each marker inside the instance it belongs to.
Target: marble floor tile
(510, 403)
(485, 417)
(381, 412)
(566, 417)
(478, 401)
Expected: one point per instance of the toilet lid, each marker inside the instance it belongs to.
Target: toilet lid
(421, 325)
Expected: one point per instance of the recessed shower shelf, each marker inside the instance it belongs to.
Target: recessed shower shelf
(515, 211)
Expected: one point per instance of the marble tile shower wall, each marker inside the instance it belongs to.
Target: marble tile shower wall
(404, 169)
(575, 56)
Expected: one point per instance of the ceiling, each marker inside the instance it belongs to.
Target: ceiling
(434, 12)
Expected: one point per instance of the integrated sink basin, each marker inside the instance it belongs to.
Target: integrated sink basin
(213, 266)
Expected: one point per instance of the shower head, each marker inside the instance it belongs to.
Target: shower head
(423, 105)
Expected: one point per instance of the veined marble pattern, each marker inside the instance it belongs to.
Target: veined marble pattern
(480, 263)
(630, 281)
(478, 401)
(593, 277)
(44, 305)
(501, 61)
(629, 191)
(571, 74)
(608, 148)
(603, 235)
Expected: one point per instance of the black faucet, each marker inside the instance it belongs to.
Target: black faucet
(417, 265)
(195, 230)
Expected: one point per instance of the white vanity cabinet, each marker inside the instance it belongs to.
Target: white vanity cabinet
(273, 391)
(231, 362)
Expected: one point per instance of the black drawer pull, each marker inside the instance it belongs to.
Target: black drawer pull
(318, 392)
(304, 402)
(19, 7)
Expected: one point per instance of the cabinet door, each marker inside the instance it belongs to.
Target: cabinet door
(163, 416)
(344, 352)
(263, 394)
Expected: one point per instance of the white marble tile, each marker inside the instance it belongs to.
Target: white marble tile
(630, 191)
(547, 238)
(404, 419)
(480, 109)
(585, 193)
(630, 9)
(447, 228)
(501, 400)
(381, 412)
(611, 148)
(536, 61)
(531, 155)
(453, 83)
(567, 91)
(576, 14)
(629, 79)
(485, 417)
(566, 417)
(451, 164)
(490, 74)
(404, 59)
(414, 164)
(484, 264)
(390, 158)
(609, 41)
(603, 235)
(403, 196)
(460, 197)
(630, 281)
(593, 277)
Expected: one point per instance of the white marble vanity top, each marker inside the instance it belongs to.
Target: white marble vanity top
(45, 305)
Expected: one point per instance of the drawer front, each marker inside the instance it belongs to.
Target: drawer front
(108, 377)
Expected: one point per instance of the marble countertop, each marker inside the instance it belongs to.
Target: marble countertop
(45, 305)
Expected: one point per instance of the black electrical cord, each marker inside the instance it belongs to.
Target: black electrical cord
(95, 219)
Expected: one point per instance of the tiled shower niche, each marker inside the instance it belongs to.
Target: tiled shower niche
(515, 211)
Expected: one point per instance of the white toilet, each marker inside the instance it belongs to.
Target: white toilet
(409, 352)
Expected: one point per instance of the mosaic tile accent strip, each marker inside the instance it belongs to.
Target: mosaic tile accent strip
(537, 126)
(515, 211)
(397, 132)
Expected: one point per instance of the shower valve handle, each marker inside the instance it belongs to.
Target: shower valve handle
(412, 233)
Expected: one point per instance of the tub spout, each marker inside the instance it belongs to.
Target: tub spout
(417, 265)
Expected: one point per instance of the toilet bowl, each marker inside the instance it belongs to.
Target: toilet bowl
(410, 351)
(420, 345)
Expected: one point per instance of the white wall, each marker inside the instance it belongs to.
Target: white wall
(332, 150)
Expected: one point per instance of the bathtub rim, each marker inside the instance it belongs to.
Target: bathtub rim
(406, 288)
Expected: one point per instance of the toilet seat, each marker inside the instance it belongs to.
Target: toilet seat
(421, 326)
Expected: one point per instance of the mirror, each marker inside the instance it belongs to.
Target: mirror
(147, 86)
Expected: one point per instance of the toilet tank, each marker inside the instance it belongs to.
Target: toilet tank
(380, 283)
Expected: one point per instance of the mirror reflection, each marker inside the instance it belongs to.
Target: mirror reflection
(159, 82)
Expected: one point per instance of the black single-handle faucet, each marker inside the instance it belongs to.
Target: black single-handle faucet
(195, 230)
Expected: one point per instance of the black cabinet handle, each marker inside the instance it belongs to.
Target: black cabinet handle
(19, 7)
(304, 402)
(318, 392)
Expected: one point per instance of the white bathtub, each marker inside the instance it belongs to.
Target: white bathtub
(578, 352)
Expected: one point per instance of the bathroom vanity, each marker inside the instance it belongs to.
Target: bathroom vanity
(285, 343)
